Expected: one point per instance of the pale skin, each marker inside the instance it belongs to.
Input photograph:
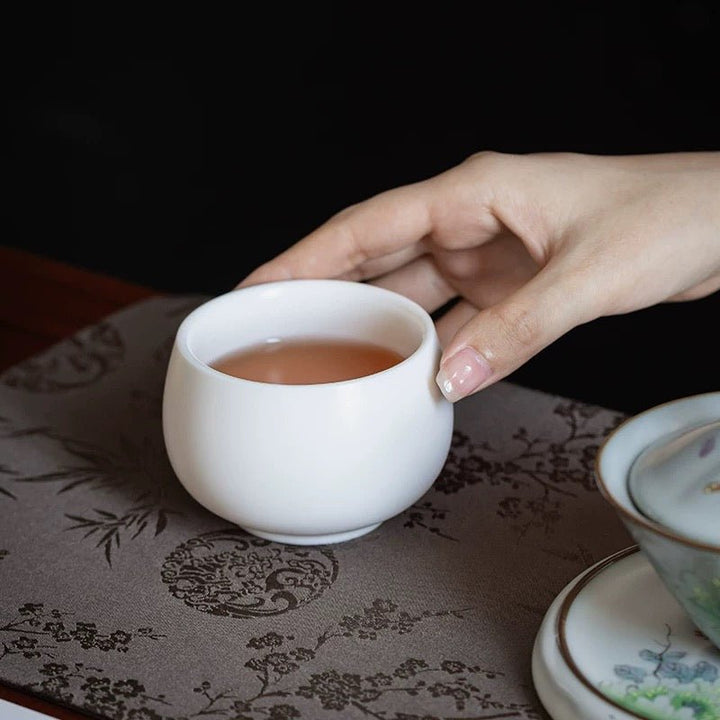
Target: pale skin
(531, 245)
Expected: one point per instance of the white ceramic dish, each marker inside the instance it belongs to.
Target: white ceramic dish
(306, 464)
(689, 568)
(11, 711)
(675, 481)
(615, 644)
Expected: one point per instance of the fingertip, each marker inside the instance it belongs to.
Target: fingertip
(500, 338)
(462, 373)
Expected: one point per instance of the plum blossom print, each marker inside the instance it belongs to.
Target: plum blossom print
(35, 631)
(538, 475)
(281, 687)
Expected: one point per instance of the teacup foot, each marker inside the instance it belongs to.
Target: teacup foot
(313, 539)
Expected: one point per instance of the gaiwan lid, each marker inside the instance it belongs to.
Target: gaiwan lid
(675, 481)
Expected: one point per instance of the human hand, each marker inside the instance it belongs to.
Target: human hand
(533, 245)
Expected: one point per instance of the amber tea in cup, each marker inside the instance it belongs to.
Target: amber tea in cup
(307, 361)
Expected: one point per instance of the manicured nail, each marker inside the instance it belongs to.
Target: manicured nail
(462, 373)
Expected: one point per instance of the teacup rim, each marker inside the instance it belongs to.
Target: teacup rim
(182, 344)
(637, 518)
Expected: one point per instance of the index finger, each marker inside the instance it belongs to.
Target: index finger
(383, 224)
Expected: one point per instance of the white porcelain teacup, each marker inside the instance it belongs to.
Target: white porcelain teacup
(306, 464)
(689, 566)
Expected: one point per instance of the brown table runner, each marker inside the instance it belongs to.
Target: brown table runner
(121, 596)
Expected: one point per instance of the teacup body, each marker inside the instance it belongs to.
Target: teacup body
(690, 569)
(306, 464)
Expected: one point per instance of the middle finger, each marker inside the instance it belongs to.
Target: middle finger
(421, 281)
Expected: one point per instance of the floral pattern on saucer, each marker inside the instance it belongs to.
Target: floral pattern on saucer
(668, 684)
(616, 645)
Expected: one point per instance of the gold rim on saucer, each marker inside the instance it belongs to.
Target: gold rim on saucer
(567, 603)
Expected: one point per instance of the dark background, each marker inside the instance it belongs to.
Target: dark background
(179, 148)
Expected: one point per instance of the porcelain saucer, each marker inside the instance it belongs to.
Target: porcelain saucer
(615, 645)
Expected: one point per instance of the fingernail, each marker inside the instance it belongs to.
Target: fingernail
(462, 373)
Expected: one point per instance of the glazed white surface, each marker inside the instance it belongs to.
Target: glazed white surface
(671, 482)
(306, 464)
(11, 711)
(620, 620)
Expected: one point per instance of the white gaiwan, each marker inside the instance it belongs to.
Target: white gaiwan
(675, 481)
(659, 470)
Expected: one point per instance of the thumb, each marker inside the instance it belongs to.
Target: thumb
(499, 339)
